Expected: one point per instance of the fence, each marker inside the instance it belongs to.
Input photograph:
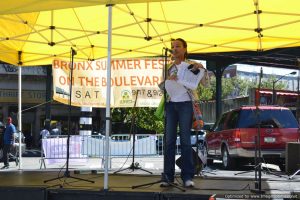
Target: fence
(83, 147)
(208, 108)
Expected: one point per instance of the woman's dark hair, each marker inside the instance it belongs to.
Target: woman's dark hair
(184, 45)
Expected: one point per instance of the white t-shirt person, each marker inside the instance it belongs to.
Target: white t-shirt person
(44, 133)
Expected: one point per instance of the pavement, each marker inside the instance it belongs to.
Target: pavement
(32, 160)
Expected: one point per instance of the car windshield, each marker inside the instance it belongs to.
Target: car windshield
(268, 118)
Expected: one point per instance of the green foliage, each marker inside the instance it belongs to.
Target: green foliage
(235, 86)
(205, 93)
(144, 118)
(147, 120)
(268, 84)
(230, 87)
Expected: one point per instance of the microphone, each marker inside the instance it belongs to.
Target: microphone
(168, 50)
(194, 71)
(74, 52)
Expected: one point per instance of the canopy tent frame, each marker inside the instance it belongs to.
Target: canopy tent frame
(149, 32)
(149, 45)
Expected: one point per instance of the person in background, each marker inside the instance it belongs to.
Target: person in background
(178, 113)
(2, 129)
(55, 130)
(9, 141)
(44, 133)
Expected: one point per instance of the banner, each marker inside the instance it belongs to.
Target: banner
(130, 78)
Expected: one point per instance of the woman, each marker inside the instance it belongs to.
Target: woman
(179, 111)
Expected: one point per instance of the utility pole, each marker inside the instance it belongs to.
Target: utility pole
(274, 99)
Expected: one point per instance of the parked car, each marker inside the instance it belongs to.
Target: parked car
(201, 134)
(201, 137)
(2, 128)
(233, 137)
(120, 137)
(207, 126)
(127, 137)
(17, 143)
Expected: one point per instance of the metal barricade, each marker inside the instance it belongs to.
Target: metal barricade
(83, 147)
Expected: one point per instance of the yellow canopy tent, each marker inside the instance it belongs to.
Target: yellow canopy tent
(142, 29)
(33, 32)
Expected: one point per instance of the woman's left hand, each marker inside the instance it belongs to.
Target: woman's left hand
(197, 66)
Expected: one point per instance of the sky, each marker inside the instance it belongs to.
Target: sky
(266, 70)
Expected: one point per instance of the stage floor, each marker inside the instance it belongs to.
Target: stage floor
(28, 183)
(225, 184)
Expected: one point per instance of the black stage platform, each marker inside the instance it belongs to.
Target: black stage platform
(29, 185)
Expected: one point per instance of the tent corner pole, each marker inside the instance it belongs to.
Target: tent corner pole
(108, 92)
(20, 116)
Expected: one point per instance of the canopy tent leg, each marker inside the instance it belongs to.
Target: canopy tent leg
(20, 116)
(108, 91)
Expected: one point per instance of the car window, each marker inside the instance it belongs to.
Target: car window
(142, 136)
(268, 118)
(121, 137)
(233, 120)
(221, 122)
(208, 126)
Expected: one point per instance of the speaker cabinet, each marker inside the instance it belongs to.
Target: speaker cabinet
(292, 157)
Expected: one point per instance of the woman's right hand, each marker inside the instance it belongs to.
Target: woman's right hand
(173, 77)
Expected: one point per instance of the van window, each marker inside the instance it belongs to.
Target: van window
(220, 125)
(233, 120)
(268, 118)
(142, 136)
(121, 137)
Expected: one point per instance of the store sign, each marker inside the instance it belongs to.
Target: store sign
(131, 79)
(28, 96)
(11, 69)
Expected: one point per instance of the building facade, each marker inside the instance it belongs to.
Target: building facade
(34, 103)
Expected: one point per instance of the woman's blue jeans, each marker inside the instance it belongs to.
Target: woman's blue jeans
(178, 113)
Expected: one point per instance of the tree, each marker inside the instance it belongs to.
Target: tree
(268, 83)
(231, 87)
(145, 120)
(236, 86)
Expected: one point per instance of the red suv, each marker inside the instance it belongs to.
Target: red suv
(232, 138)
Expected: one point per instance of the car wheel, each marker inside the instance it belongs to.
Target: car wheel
(228, 162)
(282, 167)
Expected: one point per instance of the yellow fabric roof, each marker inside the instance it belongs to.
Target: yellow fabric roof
(25, 6)
(143, 29)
